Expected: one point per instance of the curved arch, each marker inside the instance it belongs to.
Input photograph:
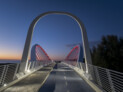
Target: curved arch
(74, 51)
(38, 54)
(73, 56)
(26, 50)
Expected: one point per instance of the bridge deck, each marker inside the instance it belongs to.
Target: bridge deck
(64, 79)
(31, 83)
(61, 79)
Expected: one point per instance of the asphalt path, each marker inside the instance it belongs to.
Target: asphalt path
(64, 79)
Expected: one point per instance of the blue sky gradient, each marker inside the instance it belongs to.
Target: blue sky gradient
(54, 32)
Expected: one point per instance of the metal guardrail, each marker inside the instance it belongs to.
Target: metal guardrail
(34, 64)
(109, 80)
(2, 69)
(7, 73)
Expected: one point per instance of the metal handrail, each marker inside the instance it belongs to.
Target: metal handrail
(109, 80)
(8, 72)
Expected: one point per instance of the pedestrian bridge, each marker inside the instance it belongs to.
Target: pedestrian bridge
(73, 74)
(55, 76)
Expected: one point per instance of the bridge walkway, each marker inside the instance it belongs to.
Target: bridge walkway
(33, 82)
(64, 79)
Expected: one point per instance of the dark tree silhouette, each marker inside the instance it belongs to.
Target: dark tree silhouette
(109, 53)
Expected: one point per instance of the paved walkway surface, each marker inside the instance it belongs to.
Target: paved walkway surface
(33, 82)
(64, 79)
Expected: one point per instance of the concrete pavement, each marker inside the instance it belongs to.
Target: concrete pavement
(61, 79)
(64, 79)
(33, 82)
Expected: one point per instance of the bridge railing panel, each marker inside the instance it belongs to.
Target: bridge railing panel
(117, 80)
(2, 69)
(7, 73)
(109, 80)
(101, 78)
(10, 73)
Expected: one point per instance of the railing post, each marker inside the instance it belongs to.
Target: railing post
(29, 65)
(2, 74)
(81, 65)
(110, 80)
(97, 76)
(17, 66)
(78, 65)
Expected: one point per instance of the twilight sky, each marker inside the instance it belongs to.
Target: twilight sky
(55, 32)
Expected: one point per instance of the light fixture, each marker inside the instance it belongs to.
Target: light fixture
(28, 71)
(5, 85)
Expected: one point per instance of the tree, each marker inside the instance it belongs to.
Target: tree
(109, 53)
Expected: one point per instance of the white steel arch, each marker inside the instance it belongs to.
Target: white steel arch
(26, 51)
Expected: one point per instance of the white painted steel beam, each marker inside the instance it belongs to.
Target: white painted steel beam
(26, 51)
